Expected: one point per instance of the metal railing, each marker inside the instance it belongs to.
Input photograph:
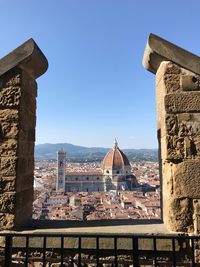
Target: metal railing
(98, 249)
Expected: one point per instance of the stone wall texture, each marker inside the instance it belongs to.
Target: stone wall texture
(18, 91)
(178, 108)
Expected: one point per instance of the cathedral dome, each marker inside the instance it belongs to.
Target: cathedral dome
(115, 159)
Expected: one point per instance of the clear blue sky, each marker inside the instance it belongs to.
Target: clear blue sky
(96, 88)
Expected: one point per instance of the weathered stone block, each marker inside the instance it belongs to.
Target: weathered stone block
(172, 148)
(9, 115)
(7, 201)
(196, 206)
(10, 130)
(11, 78)
(196, 225)
(14, 80)
(189, 82)
(180, 136)
(7, 184)
(180, 215)
(182, 103)
(10, 97)
(196, 215)
(187, 179)
(8, 148)
(7, 221)
(8, 166)
(172, 83)
(9, 123)
(170, 68)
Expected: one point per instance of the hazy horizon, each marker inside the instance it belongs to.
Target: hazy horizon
(97, 146)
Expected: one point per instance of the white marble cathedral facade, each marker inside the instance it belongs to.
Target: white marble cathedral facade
(115, 174)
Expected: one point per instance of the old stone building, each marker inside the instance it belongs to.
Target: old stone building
(115, 174)
(178, 107)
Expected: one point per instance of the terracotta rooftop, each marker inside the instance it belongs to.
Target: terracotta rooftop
(115, 159)
(89, 173)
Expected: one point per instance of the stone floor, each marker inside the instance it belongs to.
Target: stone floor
(145, 227)
(123, 229)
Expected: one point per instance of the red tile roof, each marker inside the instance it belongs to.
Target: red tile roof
(115, 159)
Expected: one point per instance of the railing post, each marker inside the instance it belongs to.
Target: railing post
(62, 252)
(97, 250)
(8, 251)
(174, 252)
(155, 252)
(136, 262)
(44, 251)
(115, 248)
(27, 249)
(79, 251)
(71, 261)
(193, 253)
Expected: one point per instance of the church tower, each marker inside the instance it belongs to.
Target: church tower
(61, 165)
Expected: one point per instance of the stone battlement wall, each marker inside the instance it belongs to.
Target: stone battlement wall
(178, 111)
(18, 92)
(178, 108)
(17, 124)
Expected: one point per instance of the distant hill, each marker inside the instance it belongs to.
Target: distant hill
(84, 154)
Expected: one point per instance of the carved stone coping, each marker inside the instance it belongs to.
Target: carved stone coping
(27, 56)
(158, 50)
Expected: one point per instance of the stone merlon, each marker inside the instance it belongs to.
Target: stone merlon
(27, 56)
(158, 50)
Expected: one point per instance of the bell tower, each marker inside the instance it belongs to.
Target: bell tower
(61, 165)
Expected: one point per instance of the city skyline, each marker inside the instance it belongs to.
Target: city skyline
(96, 88)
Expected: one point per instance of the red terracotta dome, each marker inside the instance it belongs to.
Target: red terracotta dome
(115, 159)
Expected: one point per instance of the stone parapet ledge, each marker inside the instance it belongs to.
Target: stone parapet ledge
(27, 56)
(56, 227)
(158, 50)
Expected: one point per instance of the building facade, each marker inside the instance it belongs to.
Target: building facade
(115, 175)
(61, 170)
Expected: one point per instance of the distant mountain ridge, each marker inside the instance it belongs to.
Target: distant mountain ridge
(84, 154)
